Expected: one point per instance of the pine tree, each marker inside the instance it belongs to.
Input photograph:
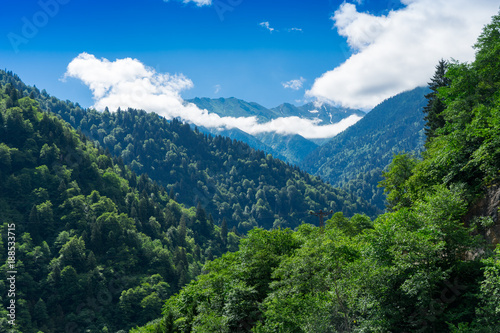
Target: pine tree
(435, 105)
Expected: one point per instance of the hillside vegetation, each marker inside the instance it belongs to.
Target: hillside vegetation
(356, 158)
(230, 180)
(423, 267)
(97, 248)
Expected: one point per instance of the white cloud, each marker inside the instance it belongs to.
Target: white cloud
(198, 3)
(217, 88)
(294, 84)
(129, 83)
(399, 51)
(267, 26)
(307, 128)
(295, 29)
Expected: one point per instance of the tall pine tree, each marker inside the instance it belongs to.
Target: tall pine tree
(436, 106)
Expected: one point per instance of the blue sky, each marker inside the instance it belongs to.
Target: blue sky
(221, 48)
(353, 53)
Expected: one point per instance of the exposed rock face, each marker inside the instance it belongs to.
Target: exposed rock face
(488, 206)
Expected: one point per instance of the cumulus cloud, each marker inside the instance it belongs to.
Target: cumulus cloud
(267, 26)
(399, 51)
(294, 84)
(128, 83)
(198, 3)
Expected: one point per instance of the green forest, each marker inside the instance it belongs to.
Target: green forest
(355, 159)
(229, 179)
(427, 265)
(128, 222)
(97, 247)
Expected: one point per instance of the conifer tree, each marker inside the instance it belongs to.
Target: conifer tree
(436, 106)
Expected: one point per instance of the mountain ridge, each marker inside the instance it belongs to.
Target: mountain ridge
(363, 150)
(292, 148)
(231, 180)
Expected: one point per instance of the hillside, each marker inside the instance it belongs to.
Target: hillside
(355, 158)
(291, 148)
(97, 247)
(423, 267)
(251, 140)
(228, 178)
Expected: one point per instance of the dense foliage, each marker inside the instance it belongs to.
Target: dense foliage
(356, 158)
(97, 247)
(231, 180)
(403, 273)
(423, 267)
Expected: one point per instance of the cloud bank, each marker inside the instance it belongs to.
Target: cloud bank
(399, 51)
(128, 83)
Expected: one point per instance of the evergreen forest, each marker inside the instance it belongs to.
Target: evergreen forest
(128, 222)
(429, 264)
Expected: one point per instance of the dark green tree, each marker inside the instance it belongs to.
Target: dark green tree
(435, 106)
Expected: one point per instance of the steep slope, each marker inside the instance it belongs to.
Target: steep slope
(229, 179)
(419, 268)
(97, 248)
(239, 135)
(291, 148)
(355, 158)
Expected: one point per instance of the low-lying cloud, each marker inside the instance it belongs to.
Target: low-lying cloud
(128, 83)
(399, 51)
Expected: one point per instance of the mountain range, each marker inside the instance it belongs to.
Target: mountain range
(355, 158)
(292, 148)
(158, 190)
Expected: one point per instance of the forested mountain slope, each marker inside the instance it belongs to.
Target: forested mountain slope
(291, 148)
(228, 178)
(423, 267)
(97, 248)
(355, 158)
